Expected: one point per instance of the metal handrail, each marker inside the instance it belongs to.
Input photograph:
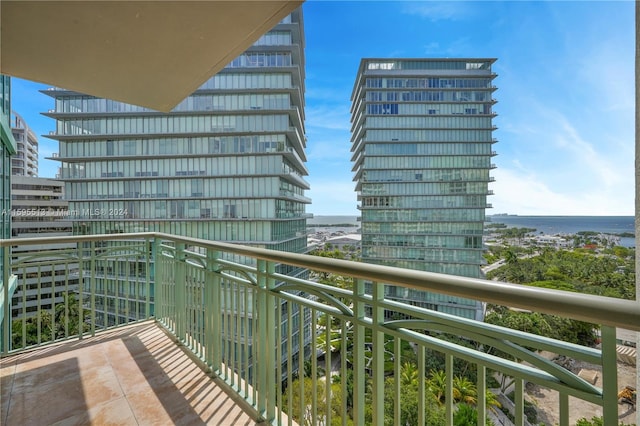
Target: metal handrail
(584, 307)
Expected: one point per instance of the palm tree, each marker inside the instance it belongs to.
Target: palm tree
(409, 375)
(437, 385)
(67, 316)
(510, 257)
(464, 391)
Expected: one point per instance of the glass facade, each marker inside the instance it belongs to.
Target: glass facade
(7, 149)
(226, 164)
(422, 147)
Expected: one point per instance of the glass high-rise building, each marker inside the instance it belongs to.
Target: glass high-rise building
(422, 147)
(7, 149)
(226, 164)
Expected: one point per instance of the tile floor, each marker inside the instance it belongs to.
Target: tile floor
(129, 376)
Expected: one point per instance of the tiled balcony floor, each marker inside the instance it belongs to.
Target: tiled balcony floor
(129, 376)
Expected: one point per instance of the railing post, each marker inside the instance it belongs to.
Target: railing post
(377, 354)
(213, 312)
(358, 353)
(159, 285)
(180, 288)
(609, 376)
(152, 264)
(92, 289)
(266, 340)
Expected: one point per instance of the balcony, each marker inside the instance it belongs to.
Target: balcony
(192, 331)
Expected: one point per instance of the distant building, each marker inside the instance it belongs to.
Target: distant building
(25, 161)
(341, 241)
(7, 148)
(556, 241)
(422, 147)
(39, 210)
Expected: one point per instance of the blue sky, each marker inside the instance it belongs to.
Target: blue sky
(565, 95)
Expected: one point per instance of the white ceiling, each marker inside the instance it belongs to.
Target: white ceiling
(148, 53)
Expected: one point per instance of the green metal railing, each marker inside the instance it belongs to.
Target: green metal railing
(280, 341)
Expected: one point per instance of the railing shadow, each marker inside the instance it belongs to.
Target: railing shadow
(187, 394)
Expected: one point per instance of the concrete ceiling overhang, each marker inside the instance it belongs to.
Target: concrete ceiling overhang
(148, 53)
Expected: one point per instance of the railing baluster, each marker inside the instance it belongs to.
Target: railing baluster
(125, 287)
(327, 368)
(564, 408)
(233, 332)
(358, 353)
(157, 262)
(448, 367)
(279, 359)
(151, 262)
(289, 389)
(301, 372)
(343, 369)
(66, 300)
(81, 301)
(24, 307)
(247, 338)
(609, 375)
(377, 354)
(6, 308)
(422, 374)
(397, 366)
(180, 273)
(314, 369)
(38, 302)
(518, 400)
(481, 400)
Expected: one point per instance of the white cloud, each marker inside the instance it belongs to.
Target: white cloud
(332, 197)
(519, 192)
(583, 154)
(329, 116)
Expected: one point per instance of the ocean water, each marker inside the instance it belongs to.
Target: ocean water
(333, 220)
(552, 225)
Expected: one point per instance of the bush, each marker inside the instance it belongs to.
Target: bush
(595, 421)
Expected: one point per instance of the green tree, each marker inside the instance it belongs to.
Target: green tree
(67, 317)
(464, 391)
(596, 421)
(466, 415)
(434, 413)
(36, 330)
(64, 322)
(552, 326)
(322, 406)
